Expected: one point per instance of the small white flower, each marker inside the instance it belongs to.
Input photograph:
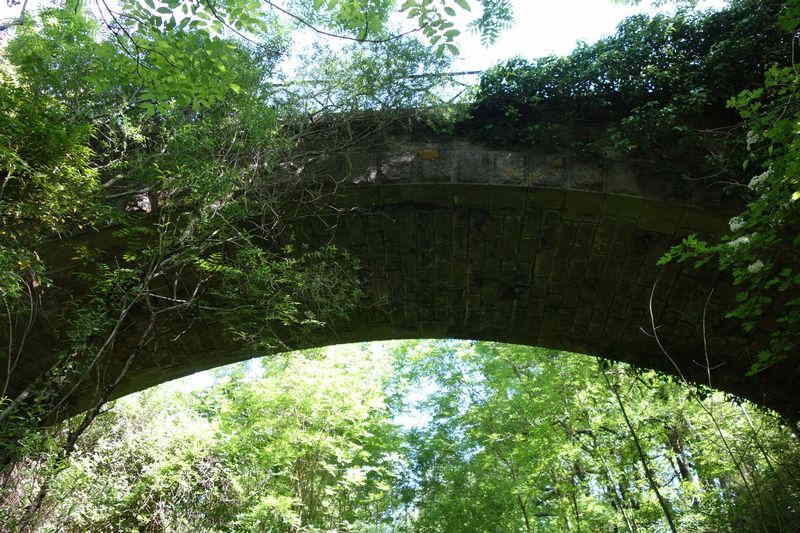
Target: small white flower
(740, 241)
(757, 181)
(755, 267)
(752, 138)
(736, 223)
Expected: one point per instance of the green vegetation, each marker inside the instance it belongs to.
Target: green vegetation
(153, 162)
(523, 439)
(762, 252)
(305, 447)
(654, 93)
(150, 170)
(699, 97)
(429, 436)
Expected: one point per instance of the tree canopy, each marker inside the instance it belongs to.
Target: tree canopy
(426, 436)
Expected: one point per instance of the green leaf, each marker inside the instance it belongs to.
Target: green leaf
(164, 10)
(450, 11)
(150, 4)
(463, 5)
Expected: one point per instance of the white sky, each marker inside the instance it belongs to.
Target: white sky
(541, 27)
(544, 27)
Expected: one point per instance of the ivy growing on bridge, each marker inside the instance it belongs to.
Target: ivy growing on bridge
(709, 97)
(654, 93)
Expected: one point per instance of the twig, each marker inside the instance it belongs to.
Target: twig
(655, 334)
(304, 22)
(408, 77)
(705, 337)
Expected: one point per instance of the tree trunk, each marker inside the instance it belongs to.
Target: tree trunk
(651, 480)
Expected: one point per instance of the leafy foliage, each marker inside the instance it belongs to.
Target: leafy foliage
(154, 146)
(304, 447)
(398, 75)
(148, 140)
(523, 439)
(653, 93)
(436, 20)
(761, 252)
(428, 436)
(48, 183)
(670, 95)
(107, 137)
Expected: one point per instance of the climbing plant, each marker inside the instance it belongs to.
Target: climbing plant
(706, 97)
(653, 94)
(150, 175)
(762, 252)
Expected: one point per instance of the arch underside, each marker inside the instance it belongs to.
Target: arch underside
(561, 269)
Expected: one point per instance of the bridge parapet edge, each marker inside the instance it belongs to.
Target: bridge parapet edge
(404, 160)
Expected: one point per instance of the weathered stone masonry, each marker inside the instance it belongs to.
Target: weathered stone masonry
(458, 240)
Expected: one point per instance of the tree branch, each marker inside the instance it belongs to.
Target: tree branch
(17, 21)
(315, 29)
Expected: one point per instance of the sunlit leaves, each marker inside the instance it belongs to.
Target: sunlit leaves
(351, 19)
(309, 440)
(397, 74)
(526, 439)
(48, 186)
(437, 18)
(759, 255)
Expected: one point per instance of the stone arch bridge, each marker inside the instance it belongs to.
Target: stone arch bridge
(458, 240)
